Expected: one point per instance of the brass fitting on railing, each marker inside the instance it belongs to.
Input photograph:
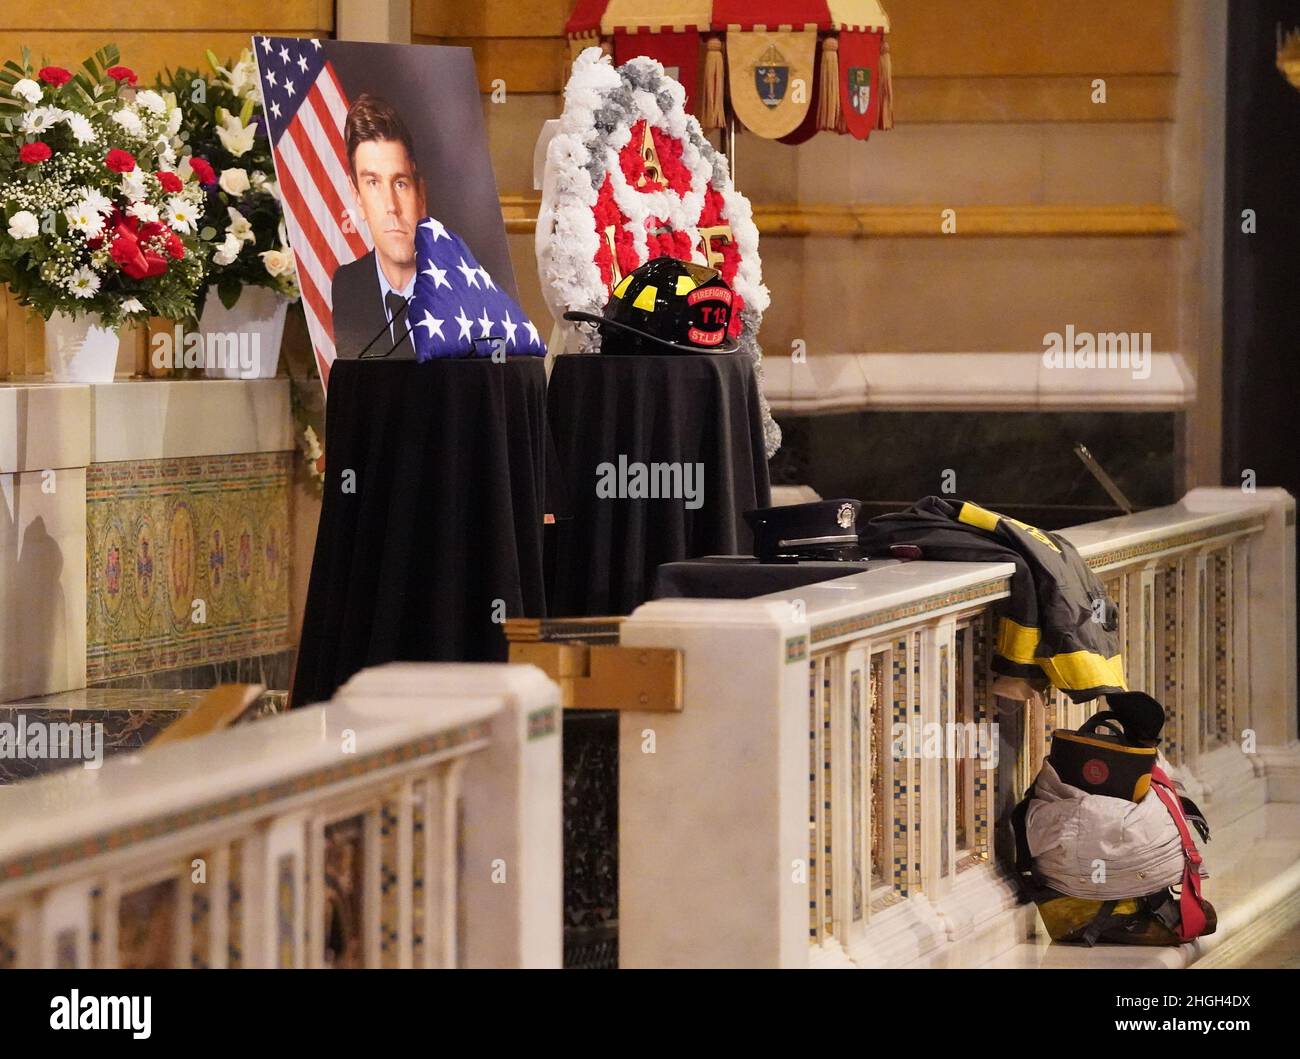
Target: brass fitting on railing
(594, 671)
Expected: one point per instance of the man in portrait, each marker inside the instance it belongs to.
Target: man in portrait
(370, 294)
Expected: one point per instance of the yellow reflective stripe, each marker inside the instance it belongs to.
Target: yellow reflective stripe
(1078, 670)
(621, 289)
(1017, 643)
(685, 285)
(646, 299)
(974, 515)
(1075, 737)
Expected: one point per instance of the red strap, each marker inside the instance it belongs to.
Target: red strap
(1191, 914)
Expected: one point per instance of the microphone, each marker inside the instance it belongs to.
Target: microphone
(365, 354)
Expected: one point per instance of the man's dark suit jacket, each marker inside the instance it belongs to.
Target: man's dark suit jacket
(359, 314)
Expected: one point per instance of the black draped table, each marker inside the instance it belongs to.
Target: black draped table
(672, 409)
(744, 577)
(431, 521)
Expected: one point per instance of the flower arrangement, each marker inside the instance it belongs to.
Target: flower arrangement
(222, 124)
(96, 215)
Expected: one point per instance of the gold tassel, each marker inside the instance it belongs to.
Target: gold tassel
(885, 119)
(830, 118)
(712, 111)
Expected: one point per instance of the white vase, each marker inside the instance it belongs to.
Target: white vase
(243, 342)
(80, 348)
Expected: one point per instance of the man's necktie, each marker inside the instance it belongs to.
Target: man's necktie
(396, 316)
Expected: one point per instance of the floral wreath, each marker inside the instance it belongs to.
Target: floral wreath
(630, 177)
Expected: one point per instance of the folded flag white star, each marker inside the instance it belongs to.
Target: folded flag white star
(452, 288)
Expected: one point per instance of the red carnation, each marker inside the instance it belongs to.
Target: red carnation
(121, 73)
(54, 75)
(174, 246)
(170, 182)
(205, 172)
(35, 153)
(119, 161)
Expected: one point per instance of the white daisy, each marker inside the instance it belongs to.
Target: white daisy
(143, 212)
(97, 200)
(39, 119)
(83, 283)
(84, 218)
(180, 213)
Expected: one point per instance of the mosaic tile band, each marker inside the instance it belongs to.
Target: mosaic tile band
(163, 535)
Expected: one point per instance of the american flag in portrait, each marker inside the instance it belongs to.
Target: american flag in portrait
(305, 111)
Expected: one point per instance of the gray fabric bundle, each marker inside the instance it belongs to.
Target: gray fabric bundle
(1101, 848)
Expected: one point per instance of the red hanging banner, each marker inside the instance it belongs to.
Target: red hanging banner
(860, 81)
(679, 53)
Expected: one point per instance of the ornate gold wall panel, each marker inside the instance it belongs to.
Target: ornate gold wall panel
(188, 562)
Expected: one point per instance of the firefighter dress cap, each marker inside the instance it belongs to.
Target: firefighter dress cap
(820, 530)
(666, 306)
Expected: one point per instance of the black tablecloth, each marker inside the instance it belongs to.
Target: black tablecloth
(653, 409)
(744, 577)
(446, 517)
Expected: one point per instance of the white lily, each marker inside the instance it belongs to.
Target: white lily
(240, 227)
(235, 136)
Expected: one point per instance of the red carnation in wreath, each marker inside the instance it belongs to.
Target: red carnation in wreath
(119, 161)
(34, 153)
(170, 182)
(122, 73)
(54, 75)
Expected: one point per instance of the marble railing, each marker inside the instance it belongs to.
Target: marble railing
(829, 794)
(414, 821)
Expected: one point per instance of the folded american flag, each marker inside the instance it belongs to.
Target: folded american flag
(457, 309)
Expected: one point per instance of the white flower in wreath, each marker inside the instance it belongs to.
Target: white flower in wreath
(151, 101)
(83, 283)
(174, 119)
(181, 214)
(27, 90)
(144, 212)
(227, 250)
(240, 227)
(39, 119)
(130, 122)
(585, 153)
(132, 306)
(23, 225)
(132, 185)
(235, 136)
(234, 181)
(82, 130)
(83, 217)
(97, 200)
